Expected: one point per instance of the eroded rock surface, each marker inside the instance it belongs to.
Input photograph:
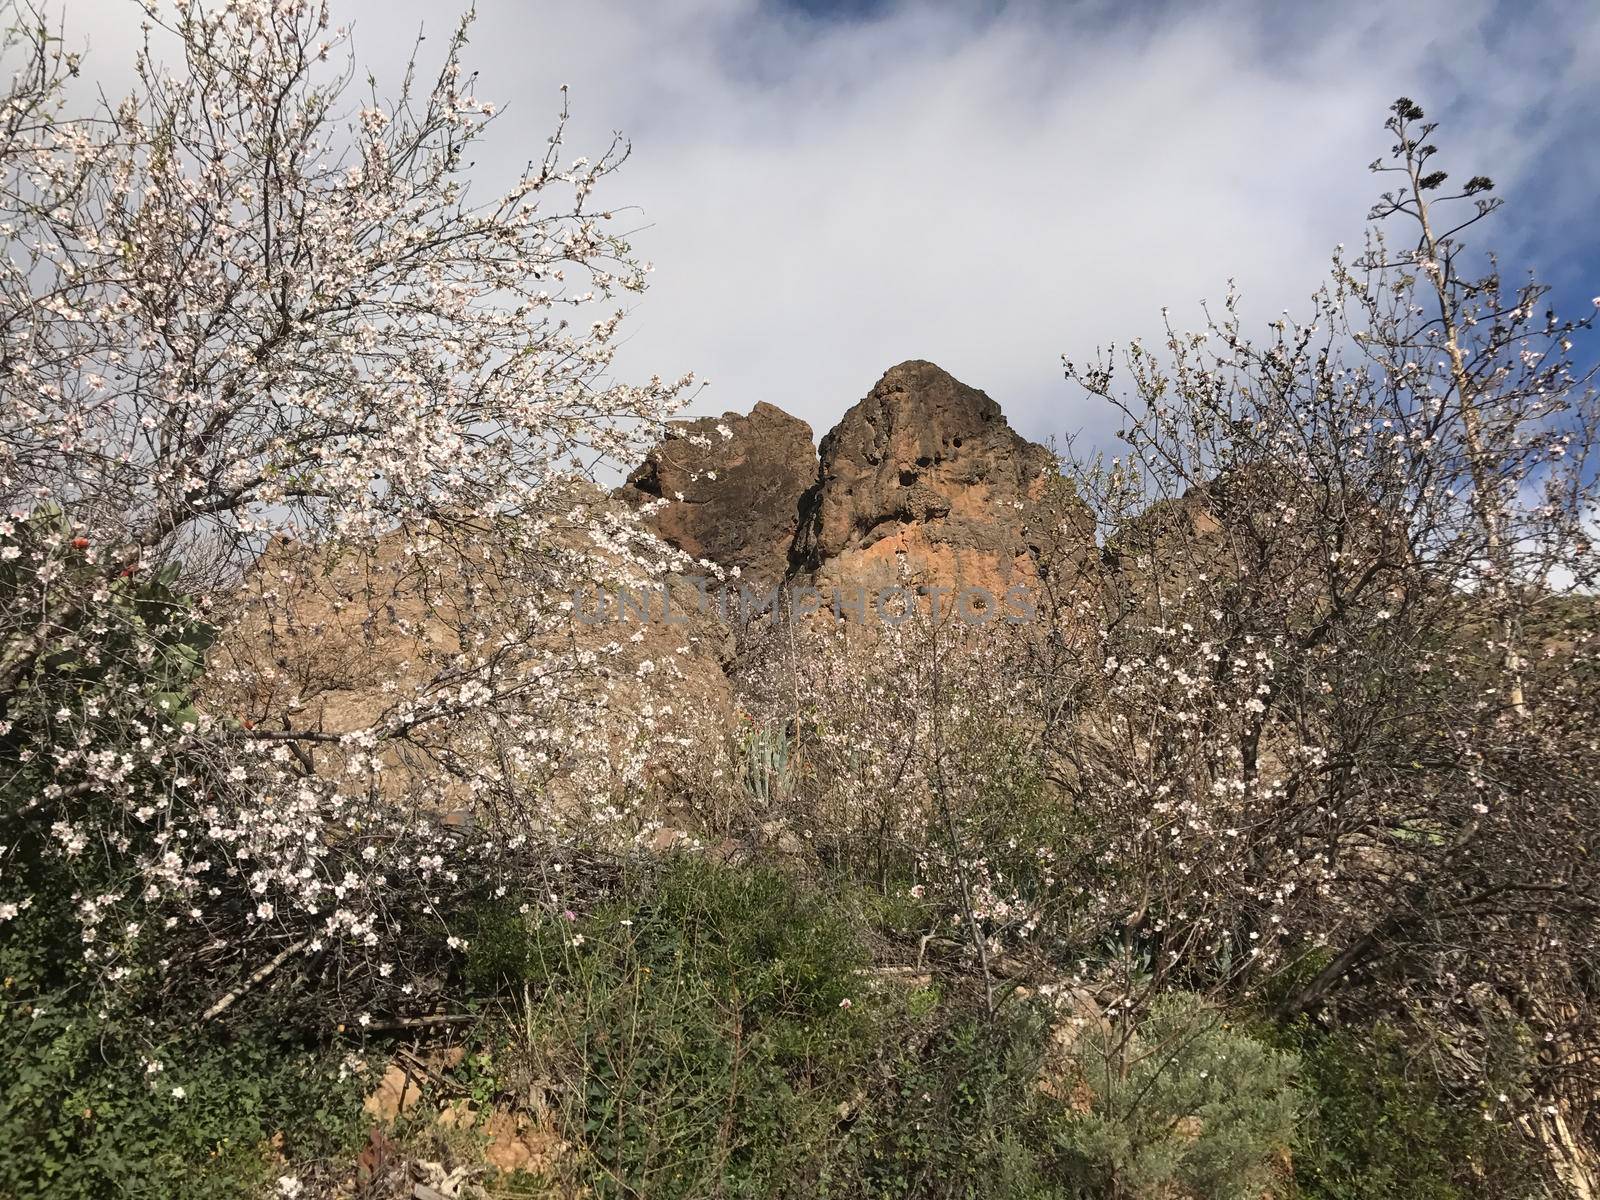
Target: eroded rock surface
(731, 487)
(924, 476)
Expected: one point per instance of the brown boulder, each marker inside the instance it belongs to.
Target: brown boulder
(731, 487)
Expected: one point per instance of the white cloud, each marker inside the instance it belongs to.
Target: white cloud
(823, 199)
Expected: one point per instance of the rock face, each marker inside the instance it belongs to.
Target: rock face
(732, 486)
(334, 637)
(922, 481)
(923, 475)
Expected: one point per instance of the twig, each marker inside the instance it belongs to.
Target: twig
(402, 1023)
(260, 973)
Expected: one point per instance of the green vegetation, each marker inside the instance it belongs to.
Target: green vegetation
(1190, 1101)
(711, 1030)
(120, 1096)
(719, 1033)
(1381, 1126)
(85, 1113)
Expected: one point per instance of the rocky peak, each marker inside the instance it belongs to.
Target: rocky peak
(732, 486)
(923, 477)
(923, 474)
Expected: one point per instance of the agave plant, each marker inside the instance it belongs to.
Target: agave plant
(769, 765)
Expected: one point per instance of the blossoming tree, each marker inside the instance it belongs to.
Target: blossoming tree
(255, 328)
(1351, 642)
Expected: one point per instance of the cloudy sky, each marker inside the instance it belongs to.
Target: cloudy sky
(829, 187)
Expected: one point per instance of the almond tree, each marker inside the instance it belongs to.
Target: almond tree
(255, 329)
(1347, 734)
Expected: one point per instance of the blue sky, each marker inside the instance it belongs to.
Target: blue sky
(827, 187)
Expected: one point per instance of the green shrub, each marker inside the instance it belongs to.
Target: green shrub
(82, 1114)
(716, 1034)
(961, 1114)
(707, 1031)
(107, 1088)
(1382, 1127)
(1190, 1106)
(112, 684)
(695, 1035)
(713, 1033)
